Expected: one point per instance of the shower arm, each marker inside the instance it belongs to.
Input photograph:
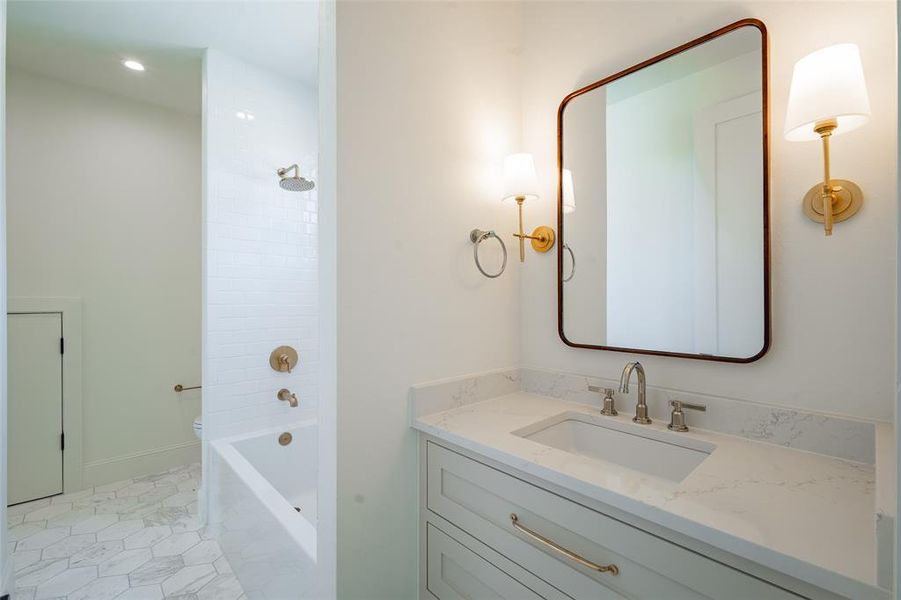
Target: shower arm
(282, 172)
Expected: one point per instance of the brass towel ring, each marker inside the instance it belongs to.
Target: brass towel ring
(477, 236)
(572, 273)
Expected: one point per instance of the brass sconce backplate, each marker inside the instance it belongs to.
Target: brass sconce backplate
(848, 198)
(283, 359)
(543, 238)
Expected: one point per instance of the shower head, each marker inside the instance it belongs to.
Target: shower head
(295, 183)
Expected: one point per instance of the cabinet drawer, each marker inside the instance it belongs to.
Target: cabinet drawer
(457, 573)
(480, 500)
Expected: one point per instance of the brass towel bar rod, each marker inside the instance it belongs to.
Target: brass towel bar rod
(180, 388)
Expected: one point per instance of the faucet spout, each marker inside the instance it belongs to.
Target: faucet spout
(641, 409)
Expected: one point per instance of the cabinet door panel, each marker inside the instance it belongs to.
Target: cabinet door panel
(480, 500)
(457, 573)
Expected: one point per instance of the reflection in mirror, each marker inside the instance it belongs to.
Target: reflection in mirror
(663, 205)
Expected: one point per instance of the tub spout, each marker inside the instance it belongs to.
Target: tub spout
(286, 395)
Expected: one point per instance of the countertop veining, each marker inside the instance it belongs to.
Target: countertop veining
(804, 514)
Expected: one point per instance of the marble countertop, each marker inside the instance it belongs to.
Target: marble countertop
(804, 514)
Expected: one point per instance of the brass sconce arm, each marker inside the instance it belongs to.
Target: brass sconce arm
(825, 130)
(833, 200)
(543, 237)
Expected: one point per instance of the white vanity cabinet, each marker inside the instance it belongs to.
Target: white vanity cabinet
(472, 548)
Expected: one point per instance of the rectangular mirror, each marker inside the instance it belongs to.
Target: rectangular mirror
(663, 209)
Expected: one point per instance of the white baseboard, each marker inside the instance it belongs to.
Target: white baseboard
(6, 577)
(146, 462)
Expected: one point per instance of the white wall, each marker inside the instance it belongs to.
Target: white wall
(260, 247)
(6, 569)
(104, 205)
(833, 309)
(428, 97)
(326, 529)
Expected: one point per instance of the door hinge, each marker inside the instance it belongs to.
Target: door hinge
(62, 345)
(62, 441)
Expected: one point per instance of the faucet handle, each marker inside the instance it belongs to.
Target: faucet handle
(688, 405)
(609, 409)
(677, 417)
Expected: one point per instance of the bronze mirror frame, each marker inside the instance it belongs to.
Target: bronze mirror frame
(766, 192)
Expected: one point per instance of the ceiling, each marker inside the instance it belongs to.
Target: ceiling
(85, 42)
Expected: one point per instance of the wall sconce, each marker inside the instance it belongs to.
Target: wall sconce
(520, 183)
(828, 96)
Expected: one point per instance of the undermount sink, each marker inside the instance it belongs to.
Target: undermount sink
(661, 454)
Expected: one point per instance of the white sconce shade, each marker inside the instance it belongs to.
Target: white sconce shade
(827, 84)
(569, 194)
(519, 177)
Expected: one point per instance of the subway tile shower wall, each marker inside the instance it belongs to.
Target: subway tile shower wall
(260, 247)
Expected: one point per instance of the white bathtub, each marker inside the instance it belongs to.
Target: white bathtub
(256, 487)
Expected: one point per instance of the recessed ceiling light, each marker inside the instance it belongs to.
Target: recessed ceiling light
(133, 65)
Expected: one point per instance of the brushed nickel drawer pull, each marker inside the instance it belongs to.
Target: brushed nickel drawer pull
(611, 568)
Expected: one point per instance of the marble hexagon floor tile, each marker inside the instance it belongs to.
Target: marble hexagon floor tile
(144, 592)
(156, 570)
(25, 558)
(125, 562)
(120, 530)
(167, 515)
(206, 552)
(221, 587)
(177, 543)
(21, 509)
(23, 594)
(20, 532)
(102, 588)
(48, 512)
(73, 517)
(147, 537)
(96, 553)
(65, 583)
(189, 580)
(94, 523)
(40, 571)
(42, 539)
(68, 546)
(119, 541)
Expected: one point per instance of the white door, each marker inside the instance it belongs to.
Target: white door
(728, 216)
(35, 406)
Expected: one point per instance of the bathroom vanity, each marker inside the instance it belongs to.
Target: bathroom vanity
(530, 496)
(532, 486)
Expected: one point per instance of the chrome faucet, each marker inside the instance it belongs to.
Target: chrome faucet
(641, 409)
